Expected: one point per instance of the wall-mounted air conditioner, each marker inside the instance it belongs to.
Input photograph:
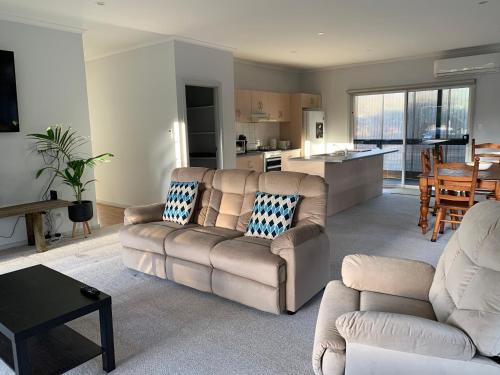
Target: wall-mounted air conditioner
(488, 63)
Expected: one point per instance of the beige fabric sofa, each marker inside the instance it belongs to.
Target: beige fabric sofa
(212, 255)
(397, 316)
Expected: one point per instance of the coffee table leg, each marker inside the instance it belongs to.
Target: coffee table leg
(20, 354)
(107, 341)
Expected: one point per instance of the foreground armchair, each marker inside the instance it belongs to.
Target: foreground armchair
(397, 316)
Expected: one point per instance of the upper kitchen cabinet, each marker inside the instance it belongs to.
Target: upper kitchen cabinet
(260, 101)
(243, 105)
(278, 106)
(262, 106)
(284, 107)
(310, 101)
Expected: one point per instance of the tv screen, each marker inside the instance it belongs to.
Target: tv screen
(9, 118)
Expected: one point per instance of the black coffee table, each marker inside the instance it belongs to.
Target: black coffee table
(35, 303)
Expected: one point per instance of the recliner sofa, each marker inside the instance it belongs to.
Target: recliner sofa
(212, 254)
(396, 316)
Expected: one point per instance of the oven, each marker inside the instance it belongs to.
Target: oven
(272, 161)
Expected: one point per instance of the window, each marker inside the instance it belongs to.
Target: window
(405, 120)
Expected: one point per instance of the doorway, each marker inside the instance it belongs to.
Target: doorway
(202, 126)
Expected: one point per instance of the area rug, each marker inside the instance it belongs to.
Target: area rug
(164, 328)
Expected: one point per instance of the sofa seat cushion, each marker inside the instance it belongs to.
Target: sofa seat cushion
(195, 244)
(251, 258)
(372, 301)
(150, 236)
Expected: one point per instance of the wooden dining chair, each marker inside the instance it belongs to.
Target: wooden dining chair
(437, 152)
(486, 150)
(425, 158)
(486, 154)
(455, 186)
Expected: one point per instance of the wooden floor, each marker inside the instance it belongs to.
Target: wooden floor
(109, 215)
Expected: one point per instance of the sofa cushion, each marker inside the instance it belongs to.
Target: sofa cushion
(195, 244)
(272, 215)
(372, 301)
(312, 190)
(465, 291)
(233, 194)
(149, 237)
(204, 176)
(251, 258)
(181, 201)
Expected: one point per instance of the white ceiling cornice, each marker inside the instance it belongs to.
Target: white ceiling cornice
(128, 49)
(269, 66)
(41, 23)
(166, 39)
(477, 50)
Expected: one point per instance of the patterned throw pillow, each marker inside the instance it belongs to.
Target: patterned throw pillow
(181, 200)
(272, 215)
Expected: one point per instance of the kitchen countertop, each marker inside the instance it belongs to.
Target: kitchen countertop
(257, 152)
(352, 155)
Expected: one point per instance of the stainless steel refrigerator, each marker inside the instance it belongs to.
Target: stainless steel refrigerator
(314, 130)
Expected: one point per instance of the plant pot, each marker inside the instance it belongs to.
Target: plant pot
(80, 211)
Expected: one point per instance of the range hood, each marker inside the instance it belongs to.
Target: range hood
(261, 117)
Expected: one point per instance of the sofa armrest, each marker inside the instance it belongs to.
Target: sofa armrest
(295, 236)
(337, 300)
(399, 277)
(405, 333)
(144, 214)
(306, 251)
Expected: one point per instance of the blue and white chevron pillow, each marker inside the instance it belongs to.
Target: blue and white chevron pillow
(272, 215)
(181, 201)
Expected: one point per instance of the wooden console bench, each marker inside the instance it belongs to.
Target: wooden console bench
(34, 223)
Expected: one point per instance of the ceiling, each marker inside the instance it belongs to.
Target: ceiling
(283, 32)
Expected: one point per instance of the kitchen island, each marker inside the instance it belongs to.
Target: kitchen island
(352, 177)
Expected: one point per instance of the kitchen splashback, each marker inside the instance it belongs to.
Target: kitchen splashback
(263, 131)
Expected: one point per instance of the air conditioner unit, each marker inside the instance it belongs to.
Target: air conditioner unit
(488, 63)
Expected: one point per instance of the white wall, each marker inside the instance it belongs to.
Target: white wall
(255, 76)
(50, 74)
(332, 84)
(133, 105)
(207, 66)
(136, 100)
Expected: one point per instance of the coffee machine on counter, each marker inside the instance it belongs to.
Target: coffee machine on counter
(241, 144)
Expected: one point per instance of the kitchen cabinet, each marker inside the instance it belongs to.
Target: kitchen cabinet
(274, 104)
(286, 155)
(243, 105)
(260, 101)
(293, 130)
(254, 162)
(278, 105)
(310, 101)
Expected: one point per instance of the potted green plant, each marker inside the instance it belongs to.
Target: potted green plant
(59, 149)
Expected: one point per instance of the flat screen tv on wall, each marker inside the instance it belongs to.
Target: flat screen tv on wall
(9, 117)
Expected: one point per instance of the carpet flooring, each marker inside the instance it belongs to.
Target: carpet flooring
(164, 328)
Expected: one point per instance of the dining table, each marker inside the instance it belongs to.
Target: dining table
(488, 179)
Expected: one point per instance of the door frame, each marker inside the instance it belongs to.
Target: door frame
(182, 115)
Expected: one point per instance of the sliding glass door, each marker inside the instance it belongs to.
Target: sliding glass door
(379, 121)
(406, 121)
(441, 114)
